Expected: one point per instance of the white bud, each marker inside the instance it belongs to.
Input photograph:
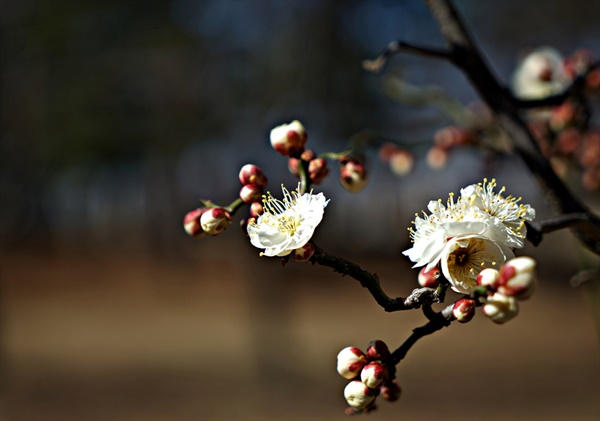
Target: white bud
(373, 374)
(358, 395)
(289, 139)
(500, 308)
(350, 361)
(215, 220)
(487, 277)
(517, 277)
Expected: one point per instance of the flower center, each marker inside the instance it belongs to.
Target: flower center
(467, 261)
(288, 224)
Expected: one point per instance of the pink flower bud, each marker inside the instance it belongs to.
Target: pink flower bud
(391, 391)
(191, 223)
(294, 163)
(350, 362)
(304, 253)
(377, 350)
(256, 209)
(289, 139)
(436, 158)
(215, 220)
(453, 136)
(373, 374)
(358, 395)
(251, 174)
(464, 310)
(353, 175)
(429, 278)
(500, 308)
(488, 277)
(250, 193)
(517, 278)
(317, 170)
(402, 162)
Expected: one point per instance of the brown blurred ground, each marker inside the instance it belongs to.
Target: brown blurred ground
(133, 336)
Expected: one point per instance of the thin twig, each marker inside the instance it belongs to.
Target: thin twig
(396, 47)
(370, 281)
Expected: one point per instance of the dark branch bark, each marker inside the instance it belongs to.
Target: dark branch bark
(370, 281)
(441, 320)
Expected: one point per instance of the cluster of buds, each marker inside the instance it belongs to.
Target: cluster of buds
(316, 167)
(514, 282)
(369, 376)
(563, 131)
(253, 182)
(401, 161)
(206, 221)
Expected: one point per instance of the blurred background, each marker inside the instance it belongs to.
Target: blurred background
(117, 116)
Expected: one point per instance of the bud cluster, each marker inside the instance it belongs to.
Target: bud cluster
(369, 376)
(206, 221)
(514, 282)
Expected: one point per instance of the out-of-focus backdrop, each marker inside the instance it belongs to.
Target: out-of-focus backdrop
(117, 116)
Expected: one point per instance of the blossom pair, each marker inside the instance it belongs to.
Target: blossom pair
(478, 230)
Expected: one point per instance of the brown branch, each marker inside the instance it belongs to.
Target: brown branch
(370, 281)
(437, 322)
(466, 56)
(396, 47)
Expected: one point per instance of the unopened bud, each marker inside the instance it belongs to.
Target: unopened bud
(350, 362)
(568, 141)
(589, 155)
(500, 308)
(215, 220)
(402, 162)
(294, 163)
(304, 253)
(391, 391)
(358, 395)
(464, 310)
(377, 350)
(317, 170)
(251, 174)
(436, 158)
(191, 223)
(250, 193)
(488, 278)
(429, 278)
(562, 116)
(453, 136)
(540, 74)
(373, 374)
(353, 176)
(256, 209)
(517, 278)
(289, 139)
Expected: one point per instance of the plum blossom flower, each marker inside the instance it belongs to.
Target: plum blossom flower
(287, 224)
(477, 230)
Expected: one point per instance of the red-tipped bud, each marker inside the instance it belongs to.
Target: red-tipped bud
(373, 374)
(191, 223)
(358, 395)
(517, 278)
(250, 193)
(453, 136)
(353, 175)
(562, 116)
(387, 151)
(464, 310)
(500, 308)
(215, 220)
(391, 391)
(294, 163)
(304, 253)
(436, 158)
(488, 277)
(317, 170)
(402, 162)
(256, 209)
(251, 174)
(377, 350)
(429, 278)
(350, 362)
(289, 139)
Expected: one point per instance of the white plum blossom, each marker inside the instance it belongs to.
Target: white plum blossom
(288, 224)
(464, 257)
(508, 214)
(540, 74)
(477, 230)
